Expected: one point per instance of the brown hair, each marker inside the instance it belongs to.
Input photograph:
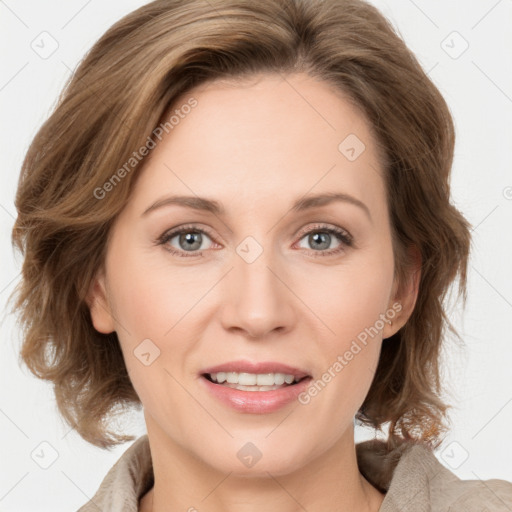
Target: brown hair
(118, 95)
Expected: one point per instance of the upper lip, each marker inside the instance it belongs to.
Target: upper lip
(256, 367)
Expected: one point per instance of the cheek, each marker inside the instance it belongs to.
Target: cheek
(150, 295)
(352, 307)
(150, 309)
(154, 300)
(353, 297)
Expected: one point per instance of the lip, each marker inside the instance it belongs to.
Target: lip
(255, 402)
(244, 366)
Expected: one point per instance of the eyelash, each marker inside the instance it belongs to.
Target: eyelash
(343, 236)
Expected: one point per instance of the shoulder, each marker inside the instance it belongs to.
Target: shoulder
(415, 480)
(481, 496)
(126, 482)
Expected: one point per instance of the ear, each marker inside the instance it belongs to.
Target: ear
(99, 305)
(404, 295)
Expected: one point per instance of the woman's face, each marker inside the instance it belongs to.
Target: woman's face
(257, 280)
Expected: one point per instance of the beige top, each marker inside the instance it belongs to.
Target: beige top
(410, 475)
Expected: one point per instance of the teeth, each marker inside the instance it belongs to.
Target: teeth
(252, 379)
(252, 388)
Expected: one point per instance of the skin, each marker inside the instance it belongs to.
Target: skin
(255, 147)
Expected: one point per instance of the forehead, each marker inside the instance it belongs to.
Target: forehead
(269, 136)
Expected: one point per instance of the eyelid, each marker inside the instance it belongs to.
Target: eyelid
(319, 226)
(172, 232)
(344, 237)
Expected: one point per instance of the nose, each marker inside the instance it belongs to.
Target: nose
(258, 297)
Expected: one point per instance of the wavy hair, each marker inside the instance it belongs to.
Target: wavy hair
(121, 91)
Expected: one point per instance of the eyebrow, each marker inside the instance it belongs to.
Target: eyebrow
(301, 204)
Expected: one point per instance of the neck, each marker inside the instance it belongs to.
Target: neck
(328, 482)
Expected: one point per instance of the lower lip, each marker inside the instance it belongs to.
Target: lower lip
(256, 402)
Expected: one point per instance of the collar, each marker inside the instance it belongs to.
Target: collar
(408, 473)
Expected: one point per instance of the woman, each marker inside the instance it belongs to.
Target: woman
(169, 213)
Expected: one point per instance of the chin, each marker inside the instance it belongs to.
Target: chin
(254, 459)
